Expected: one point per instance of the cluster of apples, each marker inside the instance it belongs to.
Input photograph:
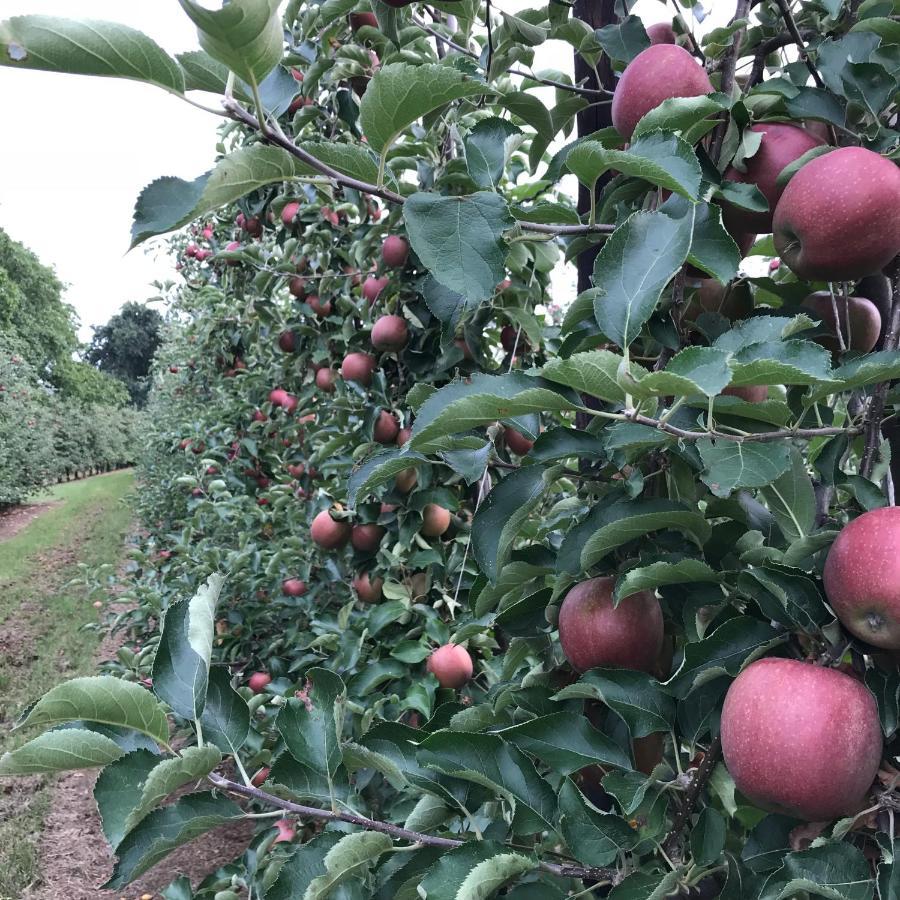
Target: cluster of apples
(798, 738)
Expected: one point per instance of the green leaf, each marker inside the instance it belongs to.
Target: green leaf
(834, 871)
(87, 47)
(816, 103)
(636, 262)
(566, 742)
(708, 837)
(662, 159)
(681, 114)
(226, 716)
(530, 110)
(473, 871)
(660, 574)
(460, 239)
(487, 760)
(353, 855)
(486, 147)
(245, 35)
(729, 465)
(646, 886)
(461, 406)
(564, 443)
(306, 863)
(713, 249)
(593, 372)
(166, 829)
(503, 513)
(791, 499)
(59, 751)
(378, 469)
(181, 665)
(782, 362)
(635, 696)
(448, 306)
(400, 93)
(624, 41)
(470, 464)
(787, 596)
(103, 699)
(610, 525)
(868, 369)
(693, 371)
(595, 839)
(885, 687)
(734, 644)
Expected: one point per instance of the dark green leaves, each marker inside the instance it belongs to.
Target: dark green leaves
(486, 150)
(624, 41)
(59, 751)
(459, 239)
(730, 465)
(595, 839)
(475, 870)
(226, 717)
(379, 469)
(636, 263)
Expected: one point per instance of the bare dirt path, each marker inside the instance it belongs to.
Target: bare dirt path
(12, 521)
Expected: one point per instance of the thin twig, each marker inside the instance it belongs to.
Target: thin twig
(762, 51)
(395, 831)
(692, 794)
(729, 64)
(794, 32)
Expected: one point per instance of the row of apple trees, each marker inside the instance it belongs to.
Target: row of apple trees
(457, 591)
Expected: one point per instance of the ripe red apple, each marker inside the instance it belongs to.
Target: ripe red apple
(801, 739)
(253, 226)
(290, 404)
(862, 577)
(516, 441)
(661, 33)
(372, 287)
(594, 633)
(368, 589)
(406, 480)
(394, 251)
(734, 300)
(451, 665)
(293, 587)
(358, 367)
(328, 533)
(258, 780)
(287, 341)
(289, 214)
(403, 435)
(387, 427)
(781, 145)
(655, 74)
(508, 335)
(366, 538)
(286, 831)
(860, 321)
(321, 308)
(752, 393)
(357, 20)
(278, 396)
(259, 681)
(435, 520)
(325, 380)
(390, 334)
(839, 216)
(297, 287)
(174, 370)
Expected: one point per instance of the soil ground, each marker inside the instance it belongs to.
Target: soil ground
(51, 843)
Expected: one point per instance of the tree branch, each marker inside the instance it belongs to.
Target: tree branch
(763, 50)
(690, 34)
(692, 794)
(794, 32)
(562, 870)
(729, 65)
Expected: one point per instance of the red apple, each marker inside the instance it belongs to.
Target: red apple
(328, 533)
(801, 739)
(734, 300)
(372, 287)
(390, 334)
(278, 397)
(752, 393)
(511, 338)
(297, 287)
(860, 321)
(655, 74)
(406, 480)
(253, 226)
(839, 216)
(394, 251)
(293, 587)
(358, 367)
(258, 780)
(357, 20)
(289, 214)
(325, 380)
(286, 831)
(516, 441)
(403, 435)
(290, 404)
(368, 589)
(287, 341)
(435, 520)
(661, 33)
(321, 308)
(862, 577)
(781, 145)
(259, 681)
(366, 538)
(451, 665)
(386, 428)
(594, 633)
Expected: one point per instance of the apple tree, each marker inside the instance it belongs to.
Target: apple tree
(616, 612)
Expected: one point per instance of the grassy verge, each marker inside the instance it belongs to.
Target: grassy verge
(42, 641)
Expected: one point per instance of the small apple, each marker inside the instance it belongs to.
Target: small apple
(661, 33)
(293, 587)
(289, 214)
(325, 380)
(359, 19)
(366, 538)
(321, 308)
(259, 681)
(287, 341)
(406, 480)
(278, 397)
(403, 435)
(862, 577)
(390, 334)
(860, 321)
(451, 665)
(592, 632)
(395, 251)
(327, 533)
(372, 287)
(435, 520)
(358, 367)
(259, 779)
(297, 287)
(801, 739)
(511, 338)
(734, 300)
(654, 75)
(752, 393)
(516, 441)
(839, 216)
(253, 226)
(368, 589)
(287, 833)
(386, 428)
(174, 370)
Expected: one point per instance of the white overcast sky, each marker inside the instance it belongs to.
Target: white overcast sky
(76, 152)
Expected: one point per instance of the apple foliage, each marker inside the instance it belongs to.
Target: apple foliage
(646, 458)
